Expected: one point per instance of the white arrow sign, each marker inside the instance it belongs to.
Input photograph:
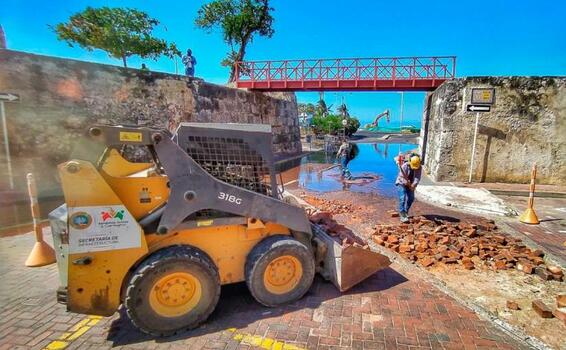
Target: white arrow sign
(5, 96)
(476, 108)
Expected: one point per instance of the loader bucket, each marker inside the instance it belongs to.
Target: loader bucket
(345, 266)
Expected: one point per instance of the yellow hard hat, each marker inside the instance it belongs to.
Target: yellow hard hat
(415, 162)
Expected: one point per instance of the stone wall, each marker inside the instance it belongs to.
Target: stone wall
(60, 98)
(527, 124)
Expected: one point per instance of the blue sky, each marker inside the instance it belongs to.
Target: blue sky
(521, 37)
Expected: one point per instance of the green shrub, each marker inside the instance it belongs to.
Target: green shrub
(332, 124)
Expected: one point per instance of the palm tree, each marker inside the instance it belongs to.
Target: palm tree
(322, 108)
(343, 111)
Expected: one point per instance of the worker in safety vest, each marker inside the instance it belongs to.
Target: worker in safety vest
(407, 180)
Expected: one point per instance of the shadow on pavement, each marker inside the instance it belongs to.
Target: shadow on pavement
(434, 217)
(237, 308)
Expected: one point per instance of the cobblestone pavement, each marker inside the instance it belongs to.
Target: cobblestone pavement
(394, 309)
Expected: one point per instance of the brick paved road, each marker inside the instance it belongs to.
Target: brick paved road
(551, 233)
(394, 309)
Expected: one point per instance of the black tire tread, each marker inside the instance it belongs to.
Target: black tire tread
(263, 248)
(170, 253)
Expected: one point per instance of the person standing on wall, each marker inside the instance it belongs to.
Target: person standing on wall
(407, 180)
(190, 62)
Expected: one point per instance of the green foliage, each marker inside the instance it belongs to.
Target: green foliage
(343, 110)
(239, 21)
(352, 126)
(322, 109)
(332, 124)
(121, 32)
(307, 108)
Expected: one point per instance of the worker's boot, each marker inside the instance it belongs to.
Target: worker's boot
(403, 217)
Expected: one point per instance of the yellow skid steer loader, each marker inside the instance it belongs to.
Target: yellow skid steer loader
(161, 236)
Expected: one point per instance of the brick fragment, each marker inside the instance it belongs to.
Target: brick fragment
(428, 261)
(543, 273)
(527, 268)
(555, 270)
(512, 305)
(561, 300)
(378, 240)
(541, 309)
(560, 314)
(500, 239)
(393, 239)
(471, 233)
(468, 265)
(537, 252)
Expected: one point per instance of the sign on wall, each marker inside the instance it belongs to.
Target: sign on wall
(483, 96)
(478, 108)
(102, 228)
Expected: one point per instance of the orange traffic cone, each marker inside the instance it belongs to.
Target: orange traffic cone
(529, 216)
(42, 254)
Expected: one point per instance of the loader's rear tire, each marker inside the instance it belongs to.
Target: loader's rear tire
(176, 288)
(279, 270)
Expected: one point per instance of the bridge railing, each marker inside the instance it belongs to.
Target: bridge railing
(391, 68)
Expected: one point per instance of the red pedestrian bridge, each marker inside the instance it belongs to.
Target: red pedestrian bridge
(347, 74)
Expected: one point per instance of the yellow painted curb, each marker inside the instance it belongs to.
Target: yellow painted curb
(262, 342)
(75, 332)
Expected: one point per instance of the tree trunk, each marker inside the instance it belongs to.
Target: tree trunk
(124, 61)
(239, 57)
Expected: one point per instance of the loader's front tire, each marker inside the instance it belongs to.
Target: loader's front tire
(279, 270)
(176, 288)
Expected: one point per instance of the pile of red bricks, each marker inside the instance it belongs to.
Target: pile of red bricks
(340, 233)
(430, 242)
(331, 206)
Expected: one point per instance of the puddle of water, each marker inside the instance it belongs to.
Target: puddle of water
(373, 160)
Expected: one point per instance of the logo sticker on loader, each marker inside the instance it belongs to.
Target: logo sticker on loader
(102, 228)
(112, 214)
(80, 220)
(130, 136)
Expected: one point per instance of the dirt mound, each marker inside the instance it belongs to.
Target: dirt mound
(331, 206)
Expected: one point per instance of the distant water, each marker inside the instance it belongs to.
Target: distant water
(373, 159)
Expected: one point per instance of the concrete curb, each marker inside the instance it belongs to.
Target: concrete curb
(470, 200)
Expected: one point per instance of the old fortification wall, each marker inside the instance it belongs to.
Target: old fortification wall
(527, 124)
(61, 97)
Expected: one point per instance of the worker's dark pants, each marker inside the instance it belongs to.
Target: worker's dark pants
(190, 72)
(406, 198)
(344, 165)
